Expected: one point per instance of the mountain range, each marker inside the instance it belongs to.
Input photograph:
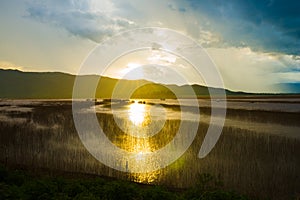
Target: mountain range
(16, 84)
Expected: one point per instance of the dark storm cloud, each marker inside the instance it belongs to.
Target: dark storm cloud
(262, 25)
(268, 26)
(175, 8)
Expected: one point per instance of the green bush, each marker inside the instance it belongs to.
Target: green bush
(209, 188)
(19, 185)
(117, 190)
(158, 193)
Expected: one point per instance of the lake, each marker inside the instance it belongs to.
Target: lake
(257, 153)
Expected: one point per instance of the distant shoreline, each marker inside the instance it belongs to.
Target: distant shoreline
(228, 97)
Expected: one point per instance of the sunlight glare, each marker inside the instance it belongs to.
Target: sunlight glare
(137, 113)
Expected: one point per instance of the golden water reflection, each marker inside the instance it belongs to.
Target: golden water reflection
(143, 130)
(139, 114)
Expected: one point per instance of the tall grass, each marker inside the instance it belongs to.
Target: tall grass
(256, 164)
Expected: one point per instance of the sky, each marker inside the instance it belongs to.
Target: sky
(255, 45)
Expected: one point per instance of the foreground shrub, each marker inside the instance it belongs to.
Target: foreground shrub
(19, 185)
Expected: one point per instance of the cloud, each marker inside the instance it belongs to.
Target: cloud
(289, 77)
(86, 19)
(9, 65)
(260, 37)
(270, 26)
(247, 70)
(290, 63)
(97, 20)
(267, 26)
(175, 8)
(154, 72)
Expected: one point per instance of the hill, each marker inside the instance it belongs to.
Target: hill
(55, 85)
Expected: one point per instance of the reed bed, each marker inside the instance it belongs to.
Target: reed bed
(255, 164)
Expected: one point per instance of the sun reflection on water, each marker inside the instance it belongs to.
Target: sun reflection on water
(137, 113)
(142, 133)
(139, 116)
(142, 149)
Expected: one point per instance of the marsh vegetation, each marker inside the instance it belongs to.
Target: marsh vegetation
(40, 135)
